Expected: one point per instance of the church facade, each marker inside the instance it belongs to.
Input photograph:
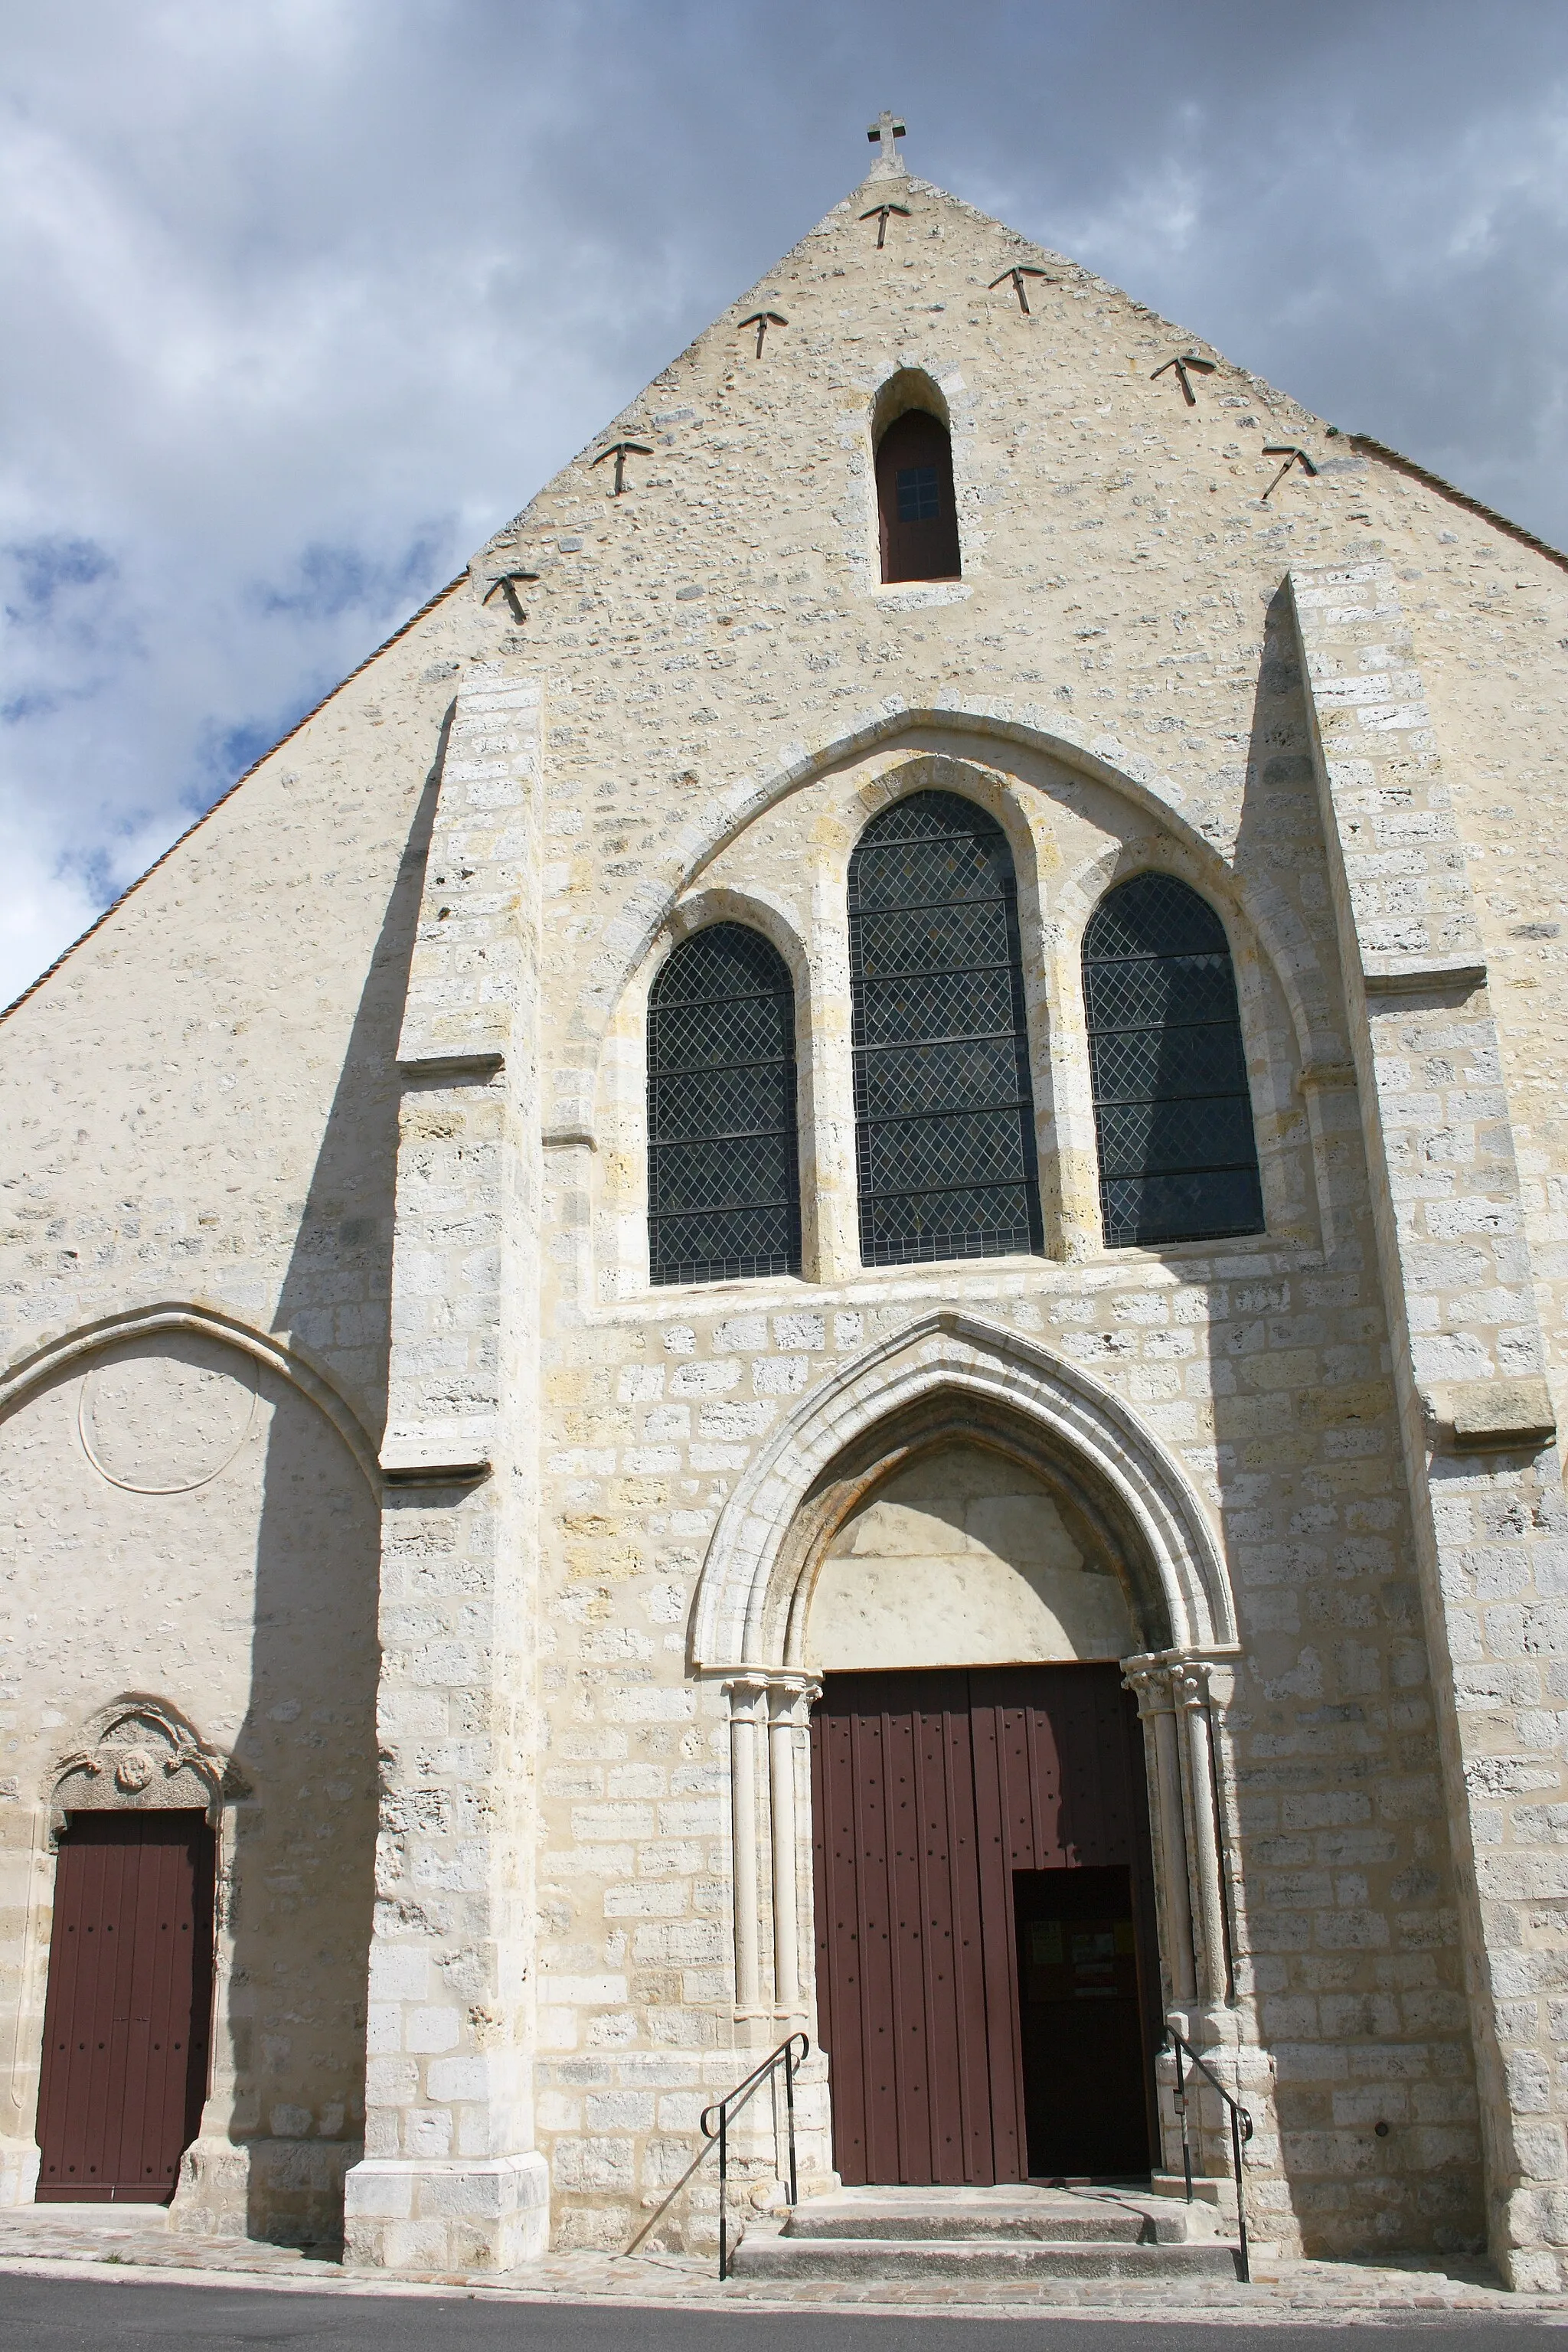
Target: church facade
(811, 1279)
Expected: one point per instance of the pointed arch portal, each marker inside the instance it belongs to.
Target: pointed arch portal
(938, 2076)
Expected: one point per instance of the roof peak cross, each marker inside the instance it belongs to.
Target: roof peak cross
(888, 128)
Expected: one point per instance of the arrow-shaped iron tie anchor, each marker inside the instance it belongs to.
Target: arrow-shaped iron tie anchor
(1184, 361)
(879, 213)
(507, 585)
(763, 320)
(1022, 270)
(1292, 456)
(620, 451)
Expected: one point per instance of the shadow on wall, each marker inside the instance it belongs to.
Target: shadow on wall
(308, 1858)
(299, 1901)
(1343, 1918)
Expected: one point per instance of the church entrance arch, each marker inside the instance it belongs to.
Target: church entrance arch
(976, 1622)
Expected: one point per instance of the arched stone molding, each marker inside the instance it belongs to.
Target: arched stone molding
(745, 1613)
(20, 1380)
(626, 941)
(140, 1755)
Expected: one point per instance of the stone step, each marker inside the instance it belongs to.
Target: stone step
(766, 2252)
(1062, 2224)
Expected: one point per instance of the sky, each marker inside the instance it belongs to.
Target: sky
(305, 296)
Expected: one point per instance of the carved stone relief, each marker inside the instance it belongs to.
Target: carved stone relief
(139, 1754)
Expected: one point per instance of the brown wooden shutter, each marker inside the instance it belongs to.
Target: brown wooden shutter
(919, 516)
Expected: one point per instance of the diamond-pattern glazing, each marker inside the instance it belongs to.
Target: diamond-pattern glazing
(723, 1159)
(944, 1112)
(1178, 1158)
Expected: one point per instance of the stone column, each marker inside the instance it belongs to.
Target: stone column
(450, 2179)
(1149, 1681)
(1468, 1356)
(789, 1709)
(1189, 1689)
(747, 1694)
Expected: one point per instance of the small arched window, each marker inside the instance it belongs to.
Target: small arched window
(915, 505)
(1178, 1159)
(723, 1176)
(944, 1112)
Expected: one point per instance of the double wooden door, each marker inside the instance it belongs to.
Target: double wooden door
(126, 2019)
(986, 1967)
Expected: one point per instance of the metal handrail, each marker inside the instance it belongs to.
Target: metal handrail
(789, 2058)
(1240, 2132)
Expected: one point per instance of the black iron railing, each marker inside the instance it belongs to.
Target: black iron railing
(786, 2058)
(1240, 2131)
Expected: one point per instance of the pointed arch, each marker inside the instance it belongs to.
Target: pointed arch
(20, 1380)
(744, 1612)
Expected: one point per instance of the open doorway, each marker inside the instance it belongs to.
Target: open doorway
(1083, 2007)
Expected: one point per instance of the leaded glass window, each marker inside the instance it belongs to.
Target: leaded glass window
(723, 1176)
(943, 1108)
(1178, 1159)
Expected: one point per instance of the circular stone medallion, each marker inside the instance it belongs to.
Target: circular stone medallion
(162, 1416)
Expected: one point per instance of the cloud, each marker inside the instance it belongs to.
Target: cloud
(316, 292)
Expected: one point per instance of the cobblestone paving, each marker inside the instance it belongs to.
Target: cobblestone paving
(68, 2240)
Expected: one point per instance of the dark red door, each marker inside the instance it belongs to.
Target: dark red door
(934, 1795)
(126, 2019)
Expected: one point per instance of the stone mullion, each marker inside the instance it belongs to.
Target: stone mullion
(1468, 1357)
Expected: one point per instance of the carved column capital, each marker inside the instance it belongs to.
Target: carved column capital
(746, 1693)
(1190, 1683)
(791, 1700)
(1148, 1680)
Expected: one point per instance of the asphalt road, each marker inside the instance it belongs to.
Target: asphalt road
(83, 2315)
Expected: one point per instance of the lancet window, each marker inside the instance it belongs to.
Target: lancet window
(1178, 1158)
(944, 1111)
(723, 1159)
(917, 514)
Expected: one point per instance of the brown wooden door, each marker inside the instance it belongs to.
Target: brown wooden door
(126, 2021)
(932, 1792)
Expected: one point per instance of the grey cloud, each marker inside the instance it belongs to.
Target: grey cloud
(316, 292)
